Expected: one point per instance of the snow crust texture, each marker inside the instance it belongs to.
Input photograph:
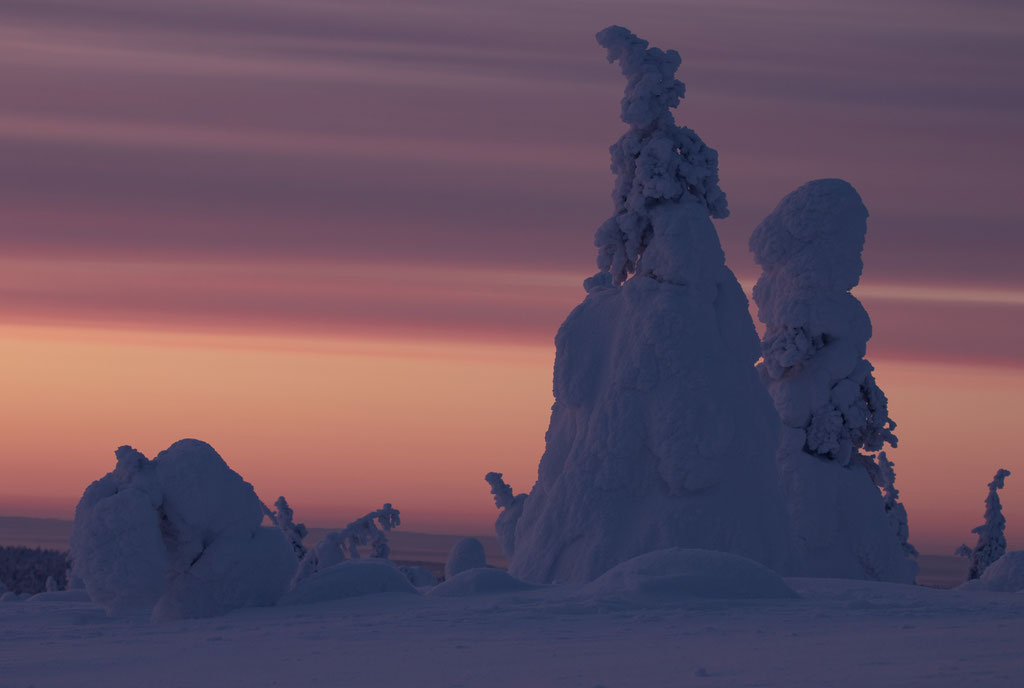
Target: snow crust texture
(671, 576)
(833, 412)
(467, 553)
(180, 535)
(352, 578)
(661, 434)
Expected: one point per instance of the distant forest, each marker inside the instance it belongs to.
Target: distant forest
(25, 570)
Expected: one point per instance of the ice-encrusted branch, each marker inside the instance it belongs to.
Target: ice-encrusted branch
(655, 162)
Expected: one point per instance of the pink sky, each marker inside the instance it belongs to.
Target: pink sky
(335, 239)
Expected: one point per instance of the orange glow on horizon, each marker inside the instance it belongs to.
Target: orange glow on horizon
(340, 426)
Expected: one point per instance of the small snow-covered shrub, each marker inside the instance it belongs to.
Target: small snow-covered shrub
(467, 553)
(360, 532)
(991, 539)
(180, 535)
(1005, 574)
(511, 506)
(479, 581)
(676, 575)
(352, 578)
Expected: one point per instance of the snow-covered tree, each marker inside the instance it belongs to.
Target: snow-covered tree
(511, 506)
(834, 414)
(991, 538)
(284, 519)
(661, 434)
(180, 535)
(370, 529)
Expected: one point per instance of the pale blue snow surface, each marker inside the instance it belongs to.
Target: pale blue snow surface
(480, 581)
(352, 578)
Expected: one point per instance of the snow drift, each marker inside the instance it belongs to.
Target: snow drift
(180, 535)
(671, 576)
(661, 434)
(479, 581)
(351, 578)
(1005, 574)
(833, 413)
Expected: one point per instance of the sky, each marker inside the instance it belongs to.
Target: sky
(335, 239)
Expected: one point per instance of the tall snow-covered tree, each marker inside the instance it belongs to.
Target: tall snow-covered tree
(834, 414)
(661, 434)
(991, 534)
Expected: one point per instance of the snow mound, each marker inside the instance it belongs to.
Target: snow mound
(1005, 574)
(419, 576)
(180, 535)
(61, 596)
(10, 597)
(352, 578)
(480, 581)
(661, 434)
(674, 575)
(466, 554)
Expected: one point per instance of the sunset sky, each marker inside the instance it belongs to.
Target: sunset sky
(335, 239)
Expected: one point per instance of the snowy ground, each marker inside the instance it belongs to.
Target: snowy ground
(840, 633)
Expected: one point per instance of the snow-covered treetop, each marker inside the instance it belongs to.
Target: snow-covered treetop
(655, 161)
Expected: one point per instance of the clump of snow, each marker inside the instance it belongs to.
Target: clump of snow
(180, 535)
(675, 575)
(479, 581)
(419, 576)
(1005, 574)
(10, 597)
(511, 506)
(832, 410)
(661, 434)
(991, 538)
(352, 578)
(466, 554)
(361, 532)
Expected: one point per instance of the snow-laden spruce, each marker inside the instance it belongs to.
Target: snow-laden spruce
(991, 534)
(180, 535)
(661, 434)
(834, 415)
